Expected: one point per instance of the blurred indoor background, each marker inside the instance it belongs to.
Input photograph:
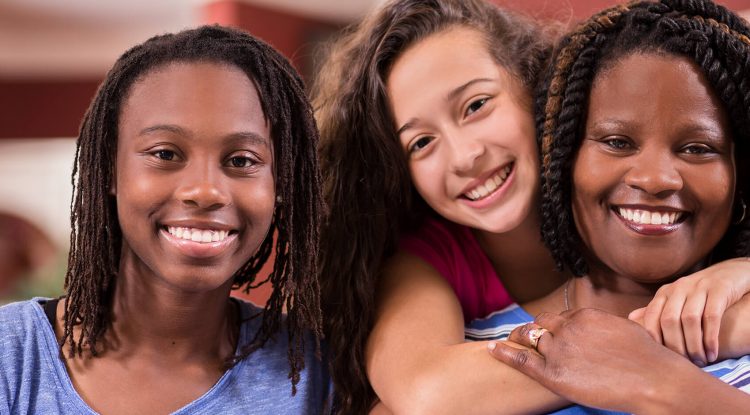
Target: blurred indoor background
(53, 55)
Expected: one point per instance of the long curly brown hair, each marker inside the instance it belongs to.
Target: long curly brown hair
(365, 177)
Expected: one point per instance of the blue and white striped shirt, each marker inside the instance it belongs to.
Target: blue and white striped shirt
(498, 325)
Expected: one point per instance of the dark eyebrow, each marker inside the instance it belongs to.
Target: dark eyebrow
(463, 87)
(451, 95)
(253, 137)
(409, 124)
(163, 127)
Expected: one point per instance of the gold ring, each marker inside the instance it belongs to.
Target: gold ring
(535, 335)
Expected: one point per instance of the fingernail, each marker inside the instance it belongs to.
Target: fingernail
(699, 363)
(491, 346)
(712, 356)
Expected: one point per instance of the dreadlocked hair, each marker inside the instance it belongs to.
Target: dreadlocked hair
(294, 233)
(366, 181)
(708, 34)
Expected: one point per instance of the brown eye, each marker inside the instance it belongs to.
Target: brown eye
(617, 143)
(165, 155)
(476, 106)
(241, 162)
(697, 149)
(420, 143)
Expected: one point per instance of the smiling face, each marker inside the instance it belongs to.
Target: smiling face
(654, 178)
(194, 177)
(466, 126)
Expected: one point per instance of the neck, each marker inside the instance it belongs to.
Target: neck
(616, 295)
(150, 316)
(520, 257)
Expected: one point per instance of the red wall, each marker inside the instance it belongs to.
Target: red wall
(294, 36)
(54, 108)
(43, 108)
(574, 10)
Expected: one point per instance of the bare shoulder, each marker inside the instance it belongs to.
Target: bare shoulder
(414, 298)
(405, 272)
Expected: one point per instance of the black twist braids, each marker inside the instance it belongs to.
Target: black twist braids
(708, 34)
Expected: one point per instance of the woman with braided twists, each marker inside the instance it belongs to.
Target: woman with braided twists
(646, 124)
(195, 160)
(427, 134)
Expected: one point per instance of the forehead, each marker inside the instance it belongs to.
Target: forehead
(653, 85)
(438, 63)
(453, 48)
(200, 94)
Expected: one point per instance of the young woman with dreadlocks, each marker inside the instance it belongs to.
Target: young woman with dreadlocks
(195, 160)
(644, 135)
(427, 135)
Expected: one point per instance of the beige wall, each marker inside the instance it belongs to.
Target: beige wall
(35, 183)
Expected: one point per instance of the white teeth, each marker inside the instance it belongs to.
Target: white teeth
(483, 190)
(489, 186)
(197, 235)
(645, 217)
(206, 237)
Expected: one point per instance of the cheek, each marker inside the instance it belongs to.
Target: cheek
(135, 190)
(582, 217)
(517, 128)
(259, 201)
(716, 188)
(427, 179)
(588, 193)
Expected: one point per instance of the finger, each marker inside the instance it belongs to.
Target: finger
(692, 318)
(651, 317)
(522, 334)
(638, 315)
(551, 321)
(712, 314)
(524, 360)
(671, 324)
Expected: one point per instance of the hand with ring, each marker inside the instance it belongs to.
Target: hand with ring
(533, 332)
(576, 353)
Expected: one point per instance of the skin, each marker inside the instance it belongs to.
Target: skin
(194, 150)
(450, 135)
(417, 359)
(656, 136)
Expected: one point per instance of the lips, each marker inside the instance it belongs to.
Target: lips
(488, 186)
(197, 235)
(202, 240)
(651, 221)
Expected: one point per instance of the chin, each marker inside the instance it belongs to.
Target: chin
(654, 275)
(201, 280)
(505, 223)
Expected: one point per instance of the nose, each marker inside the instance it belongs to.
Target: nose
(655, 174)
(202, 187)
(465, 151)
